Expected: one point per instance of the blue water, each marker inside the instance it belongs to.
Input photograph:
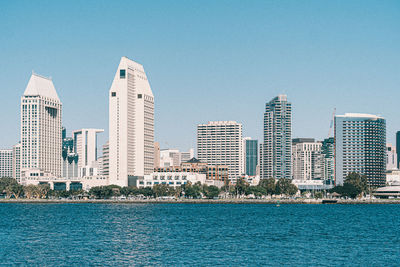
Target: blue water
(199, 234)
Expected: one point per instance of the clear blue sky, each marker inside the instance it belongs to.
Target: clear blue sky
(206, 60)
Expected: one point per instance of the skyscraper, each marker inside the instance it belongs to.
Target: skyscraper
(85, 145)
(16, 172)
(250, 155)
(6, 163)
(131, 129)
(277, 150)
(106, 159)
(391, 157)
(220, 143)
(41, 127)
(398, 148)
(360, 146)
(307, 159)
(328, 151)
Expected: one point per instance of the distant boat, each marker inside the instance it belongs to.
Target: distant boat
(277, 203)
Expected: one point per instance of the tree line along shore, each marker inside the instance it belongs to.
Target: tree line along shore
(268, 190)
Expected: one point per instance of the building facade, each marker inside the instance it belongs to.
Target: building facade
(398, 148)
(41, 142)
(156, 155)
(391, 157)
(307, 159)
(277, 150)
(6, 163)
(220, 143)
(250, 156)
(328, 152)
(106, 160)
(16, 172)
(85, 145)
(360, 146)
(173, 157)
(131, 124)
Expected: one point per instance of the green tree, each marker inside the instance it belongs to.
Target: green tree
(31, 191)
(284, 186)
(359, 181)
(257, 191)
(211, 191)
(269, 185)
(160, 190)
(241, 187)
(318, 195)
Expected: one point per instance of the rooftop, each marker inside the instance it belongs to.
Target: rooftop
(41, 86)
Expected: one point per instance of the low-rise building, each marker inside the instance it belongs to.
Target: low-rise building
(174, 179)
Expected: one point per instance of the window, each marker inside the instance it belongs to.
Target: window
(139, 96)
(113, 94)
(122, 74)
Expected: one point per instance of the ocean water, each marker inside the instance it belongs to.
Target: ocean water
(199, 235)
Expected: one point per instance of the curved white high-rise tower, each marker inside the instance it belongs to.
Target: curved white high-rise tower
(41, 126)
(131, 124)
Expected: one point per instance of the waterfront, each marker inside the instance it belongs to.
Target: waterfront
(202, 234)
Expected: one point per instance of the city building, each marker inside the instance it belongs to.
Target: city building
(360, 146)
(393, 177)
(16, 172)
(106, 159)
(391, 157)
(307, 159)
(156, 155)
(250, 156)
(131, 125)
(212, 172)
(175, 179)
(328, 151)
(69, 157)
(220, 143)
(6, 163)
(277, 150)
(41, 142)
(398, 148)
(85, 145)
(173, 157)
(187, 155)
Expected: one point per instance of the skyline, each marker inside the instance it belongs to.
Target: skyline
(319, 54)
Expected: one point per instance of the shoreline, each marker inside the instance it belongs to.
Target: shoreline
(199, 201)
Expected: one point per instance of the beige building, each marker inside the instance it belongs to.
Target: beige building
(131, 124)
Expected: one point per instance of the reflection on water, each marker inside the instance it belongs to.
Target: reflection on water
(199, 234)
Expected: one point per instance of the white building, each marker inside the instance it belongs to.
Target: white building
(131, 124)
(391, 157)
(393, 177)
(307, 159)
(6, 163)
(106, 159)
(220, 143)
(41, 142)
(174, 158)
(173, 179)
(85, 145)
(16, 173)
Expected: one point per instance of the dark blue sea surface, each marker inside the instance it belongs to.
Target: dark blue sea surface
(199, 234)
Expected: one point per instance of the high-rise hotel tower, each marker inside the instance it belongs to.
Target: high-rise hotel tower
(277, 151)
(131, 124)
(41, 127)
(360, 146)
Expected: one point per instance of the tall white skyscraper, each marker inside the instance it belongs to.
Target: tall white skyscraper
(277, 149)
(220, 143)
(41, 127)
(6, 163)
(131, 119)
(85, 145)
(391, 157)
